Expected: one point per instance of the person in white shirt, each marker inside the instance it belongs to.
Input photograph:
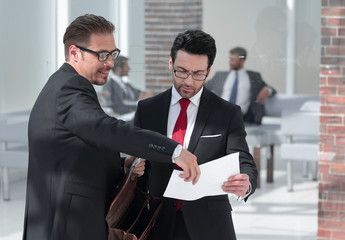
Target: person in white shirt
(210, 128)
(119, 94)
(249, 91)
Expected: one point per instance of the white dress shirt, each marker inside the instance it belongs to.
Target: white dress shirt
(130, 96)
(243, 89)
(192, 111)
(174, 112)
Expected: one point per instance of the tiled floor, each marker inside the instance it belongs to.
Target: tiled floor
(271, 213)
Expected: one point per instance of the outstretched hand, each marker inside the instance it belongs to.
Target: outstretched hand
(188, 162)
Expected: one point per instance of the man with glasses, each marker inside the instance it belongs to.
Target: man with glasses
(206, 125)
(74, 159)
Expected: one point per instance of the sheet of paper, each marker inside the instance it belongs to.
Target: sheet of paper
(213, 175)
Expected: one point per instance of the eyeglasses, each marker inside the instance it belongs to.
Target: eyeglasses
(185, 75)
(102, 56)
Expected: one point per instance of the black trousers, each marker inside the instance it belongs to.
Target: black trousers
(180, 230)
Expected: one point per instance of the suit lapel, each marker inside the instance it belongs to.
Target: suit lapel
(163, 106)
(201, 119)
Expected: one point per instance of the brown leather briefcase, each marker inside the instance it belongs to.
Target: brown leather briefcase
(133, 213)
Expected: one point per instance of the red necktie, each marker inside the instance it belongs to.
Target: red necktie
(180, 129)
(181, 123)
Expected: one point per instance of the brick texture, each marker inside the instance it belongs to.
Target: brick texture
(331, 215)
(163, 21)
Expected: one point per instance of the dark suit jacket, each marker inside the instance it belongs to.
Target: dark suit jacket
(118, 97)
(256, 110)
(74, 160)
(208, 217)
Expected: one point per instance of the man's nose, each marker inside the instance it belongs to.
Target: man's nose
(189, 80)
(109, 62)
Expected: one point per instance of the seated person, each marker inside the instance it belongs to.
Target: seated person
(242, 87)
(119, 95)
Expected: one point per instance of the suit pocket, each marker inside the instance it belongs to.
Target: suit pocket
(211, 137)
(82, 190)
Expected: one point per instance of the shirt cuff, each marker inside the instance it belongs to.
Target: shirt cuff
(177, 152)
(270, 91)
(241, 198)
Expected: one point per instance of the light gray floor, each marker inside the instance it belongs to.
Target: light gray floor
(271, 213)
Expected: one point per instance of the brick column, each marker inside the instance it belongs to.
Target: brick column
(331, 216)
(163, 21)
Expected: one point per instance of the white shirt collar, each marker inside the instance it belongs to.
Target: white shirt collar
(175, 97)
(238, 71)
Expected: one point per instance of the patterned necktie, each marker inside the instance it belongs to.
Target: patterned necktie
(233, 95)
(180, 130)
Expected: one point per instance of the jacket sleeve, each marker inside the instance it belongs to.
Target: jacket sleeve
(80, 113)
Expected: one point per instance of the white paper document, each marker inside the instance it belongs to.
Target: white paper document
(213, 175)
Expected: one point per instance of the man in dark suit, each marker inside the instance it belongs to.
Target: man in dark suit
(212, 129)
(74, 159)
(121, 96)
(242, 87)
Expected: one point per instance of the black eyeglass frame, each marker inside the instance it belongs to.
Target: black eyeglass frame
(188, 74)
(98, 54)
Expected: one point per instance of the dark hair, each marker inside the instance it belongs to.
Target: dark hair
(80, 30)
(119, 62)
(240, 51)
(195, 42)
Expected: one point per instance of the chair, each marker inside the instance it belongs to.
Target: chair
(268, 135)
(13, 146)
(301, 130)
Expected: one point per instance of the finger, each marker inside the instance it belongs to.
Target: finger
(197, 172)
(239, 190)
(140, 165)
(191, 175)
(238, 177)
(185, 173)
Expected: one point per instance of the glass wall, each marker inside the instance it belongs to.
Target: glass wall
(267, 29)
(30, 42)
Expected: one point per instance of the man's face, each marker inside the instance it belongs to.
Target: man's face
(125, 69)
(189, 63)
(235, 62)
(88, 64)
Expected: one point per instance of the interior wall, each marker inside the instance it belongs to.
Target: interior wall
(81, 7)
(136, 43)
(27, 58)
(261, 29)
(28, 42)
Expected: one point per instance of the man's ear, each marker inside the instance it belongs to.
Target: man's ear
(73, 53)
(170, 64)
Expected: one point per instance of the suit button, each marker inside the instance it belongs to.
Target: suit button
(163, 148)
(150, 145)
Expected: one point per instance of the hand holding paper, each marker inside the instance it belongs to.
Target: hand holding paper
(191, 170)
(213, 175)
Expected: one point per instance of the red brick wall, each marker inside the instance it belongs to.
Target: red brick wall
(331, 217)
(163, 21)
